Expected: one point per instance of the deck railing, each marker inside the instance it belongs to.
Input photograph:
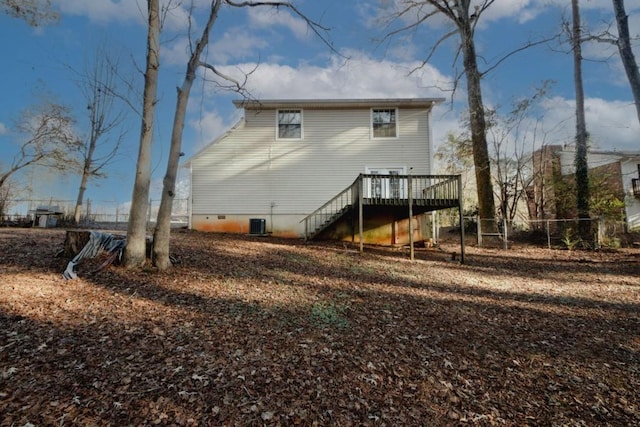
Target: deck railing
(635, 183)
(438, 191)
(392, 189)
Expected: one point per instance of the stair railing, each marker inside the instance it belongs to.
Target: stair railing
(327, 213)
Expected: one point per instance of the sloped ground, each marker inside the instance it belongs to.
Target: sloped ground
(260, 331)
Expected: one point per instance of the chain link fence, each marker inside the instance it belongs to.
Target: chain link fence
(571, 233)
(94, 214)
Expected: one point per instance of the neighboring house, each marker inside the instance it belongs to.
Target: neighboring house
(619, 174)
(302, 168)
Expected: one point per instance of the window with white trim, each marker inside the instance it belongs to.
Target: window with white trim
(384, 123)
(289, 124)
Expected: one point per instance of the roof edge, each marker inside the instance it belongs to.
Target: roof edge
(258, 104)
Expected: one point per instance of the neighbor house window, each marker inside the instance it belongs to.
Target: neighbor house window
(384, 124)
(289, 124)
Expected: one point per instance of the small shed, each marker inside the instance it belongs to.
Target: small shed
(46, 216)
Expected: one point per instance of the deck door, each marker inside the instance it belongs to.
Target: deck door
(387, 185)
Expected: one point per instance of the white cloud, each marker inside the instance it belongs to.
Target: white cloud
(611, 124)
(236, 44)
(263, 17)
(105, 11)
(175, 52)
(3, 129)
(359, 77)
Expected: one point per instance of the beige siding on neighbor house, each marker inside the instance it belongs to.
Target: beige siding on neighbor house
(250, 172)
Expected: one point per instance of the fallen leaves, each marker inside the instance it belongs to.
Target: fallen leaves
(278, 332)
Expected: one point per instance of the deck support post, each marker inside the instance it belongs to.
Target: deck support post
(409, 189)
(460, 211)
(360, 213)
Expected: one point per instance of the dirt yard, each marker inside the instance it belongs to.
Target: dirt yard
(260, 331)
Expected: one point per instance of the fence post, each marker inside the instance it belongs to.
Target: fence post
(461, 214)
(505, 234)
(479, 222)
(601, 232)
(548, 234)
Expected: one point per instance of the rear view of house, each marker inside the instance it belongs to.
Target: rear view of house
(286, 159)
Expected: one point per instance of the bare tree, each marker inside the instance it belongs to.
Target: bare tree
(163, 224)
(47, 140)
(98, 85)
(33, 12)
(135, 253)
(514, 136)
(626, 52)
(622, 41)
(582, 168)
(464, 20)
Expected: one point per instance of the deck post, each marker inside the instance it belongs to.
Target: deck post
(360, 213)
(409, 189)
(460, 210)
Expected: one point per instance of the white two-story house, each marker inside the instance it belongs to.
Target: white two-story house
(336, 168)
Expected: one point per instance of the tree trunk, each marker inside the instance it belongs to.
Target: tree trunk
(79, 201)
(86, 171)
(626, 52)
(486, 205)
(582, 168)
(162, 231)
(137, 227)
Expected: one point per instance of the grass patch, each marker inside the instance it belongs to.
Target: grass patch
(329, 315)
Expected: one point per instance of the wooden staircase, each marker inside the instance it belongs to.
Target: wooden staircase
(424, 192)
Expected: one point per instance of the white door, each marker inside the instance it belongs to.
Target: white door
(386, 186)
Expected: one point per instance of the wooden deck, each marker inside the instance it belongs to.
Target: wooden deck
(407, 195)
(425, 193)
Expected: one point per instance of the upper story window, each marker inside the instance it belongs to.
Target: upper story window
(384, 123)
(289, 124)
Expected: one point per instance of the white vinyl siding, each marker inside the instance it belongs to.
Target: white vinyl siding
(250, 170)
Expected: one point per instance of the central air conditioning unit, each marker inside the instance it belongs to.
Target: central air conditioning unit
(257, 226)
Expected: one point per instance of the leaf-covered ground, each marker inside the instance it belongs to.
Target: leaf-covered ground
(261, 331)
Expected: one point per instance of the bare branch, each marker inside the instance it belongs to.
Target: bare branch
(33, 12)
(235, 84)
(516, 51)
(316, 27)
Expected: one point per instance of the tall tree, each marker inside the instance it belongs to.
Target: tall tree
(626, 52)
(464, 19)
(582, 168)
(135, 252)
(98, 85)
(163, 224)
(47, 140)
(33, 12)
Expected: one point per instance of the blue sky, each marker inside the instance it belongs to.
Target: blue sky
(290, 62)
